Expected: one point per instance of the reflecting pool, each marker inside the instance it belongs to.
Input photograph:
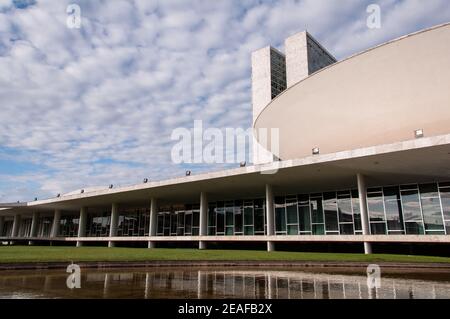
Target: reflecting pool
(203, 283)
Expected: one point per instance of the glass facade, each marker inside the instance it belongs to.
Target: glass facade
(69, 225)
(98, 223)
(134, 222)
(237, 218)
(414, 209)
(407, 209)
(7, 228)
(183, 220)
(44, 226)
(330, 213)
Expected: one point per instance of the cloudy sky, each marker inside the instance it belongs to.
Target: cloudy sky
(97, 105)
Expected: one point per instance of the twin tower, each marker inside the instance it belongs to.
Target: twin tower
(273, 72)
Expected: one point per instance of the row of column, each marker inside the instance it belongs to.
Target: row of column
(270, 211)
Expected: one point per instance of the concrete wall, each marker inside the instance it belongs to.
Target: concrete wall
(268, 80)
(378, 97)
(304, 56)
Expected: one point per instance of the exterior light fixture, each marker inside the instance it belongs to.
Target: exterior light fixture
(188, 173)
(82, 191)
(111, 186)
(145, 180)
(315, 151)
(419, 133)
(243, 164)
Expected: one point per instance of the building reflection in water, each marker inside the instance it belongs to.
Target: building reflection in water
(204, 283)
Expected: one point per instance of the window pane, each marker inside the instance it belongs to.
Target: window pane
(305, 218)
(376, 208)
(292, 230)
(378, 228)
(160, 224)
(318, 229)
(212, 216)
(196, 219)
(188, 224)
(220, 215)
(259, 219)
(356, 211)
(248, 214)
(391, 193)
(345, 210)
(411, 206)
(445, 198)
(432, 214)
(280, 219)
(248, 230)
(316, 210)
(331, 217)
(393, 215)
(238, 219)
(291, 210)
(229, 213)
(346, 229)
(173, 224)
(414, 228)
(428, 190)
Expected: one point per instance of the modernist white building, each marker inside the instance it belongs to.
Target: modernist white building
(364, 158)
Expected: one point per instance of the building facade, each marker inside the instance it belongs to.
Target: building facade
(364, 159)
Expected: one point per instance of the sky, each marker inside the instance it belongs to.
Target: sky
(97, 105)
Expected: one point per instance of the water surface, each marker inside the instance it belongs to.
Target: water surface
(204, 283)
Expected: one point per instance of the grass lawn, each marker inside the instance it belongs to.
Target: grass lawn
(29, 254)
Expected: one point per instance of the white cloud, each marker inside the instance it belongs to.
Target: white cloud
(96, 105)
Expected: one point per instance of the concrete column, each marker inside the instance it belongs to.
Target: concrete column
(362, 190)
(153, 221)
(56, 223)
(270, 215)
(2, 225)
(16, 226)
(203, 218)
(114, 223)
(34, 224)
(82, 225)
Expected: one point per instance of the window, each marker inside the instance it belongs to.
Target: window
(260, 217)
(292, 215)
(280, 215)
(393, 208)
(346, 223)
(220, 221)
(229, 218)
(331, 213)
(445, 199)
(431, 208)
(238, 218)
(356, 212)
(411, 210)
